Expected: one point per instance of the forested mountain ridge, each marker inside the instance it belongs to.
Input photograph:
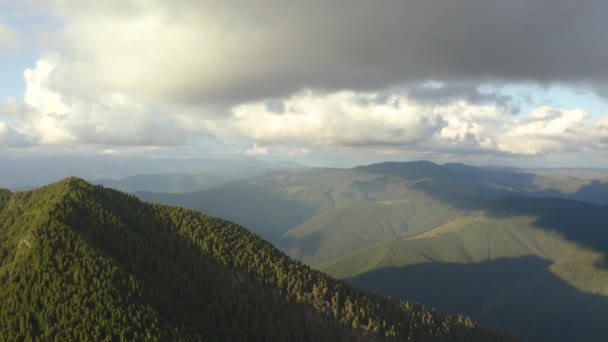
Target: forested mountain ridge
(80, 262)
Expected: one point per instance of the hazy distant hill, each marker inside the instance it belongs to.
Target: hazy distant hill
(438, 226)
(173, 182)
(80, 262)
(29, 172)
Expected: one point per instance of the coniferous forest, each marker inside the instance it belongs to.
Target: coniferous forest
(80, 262)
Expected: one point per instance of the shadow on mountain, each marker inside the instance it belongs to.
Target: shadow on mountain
(580, 222)
(577, 221)
(594, 192)
(452, 173)
(520, 295)
(486, 182)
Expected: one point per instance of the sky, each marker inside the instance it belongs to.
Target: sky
(485, 82)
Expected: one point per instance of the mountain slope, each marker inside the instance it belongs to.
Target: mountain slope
(22, 172)
(346, 230)
(171, 182)
(80, 262)
(508, 271)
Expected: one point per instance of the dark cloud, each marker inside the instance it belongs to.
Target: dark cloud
(451, 92)
(275, 106)
(369, 45)
(229, 52)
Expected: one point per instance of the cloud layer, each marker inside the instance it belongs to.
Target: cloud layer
(397, 121)
(110, 119)
(10, 137)
(291, 75)
(208, 51)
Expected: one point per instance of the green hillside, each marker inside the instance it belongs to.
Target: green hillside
(403, 211)
(80, 262)
(170, 183)
(273, 204)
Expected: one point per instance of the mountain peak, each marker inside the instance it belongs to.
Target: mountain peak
(412, 170)
(71, 182)
(413, 163)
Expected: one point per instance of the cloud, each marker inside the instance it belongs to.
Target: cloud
(429, 117)
(342, 118)
(396, 122)
(316, 73)
(548, 130)
(9, 137)
(441, 93)
(293, 151)
(110, 119)
(232, 52)
(256, 150)
(602, 130)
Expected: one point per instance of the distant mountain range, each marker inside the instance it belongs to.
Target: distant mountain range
(134, 173)
(81, 262)
(520, 250)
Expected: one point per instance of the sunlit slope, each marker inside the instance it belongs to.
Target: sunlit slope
(405, 211)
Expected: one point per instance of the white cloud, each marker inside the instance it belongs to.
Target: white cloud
(389, 120)
(602, 130)
(257, 150)
(160, 52)
(293, 151)
(366, 119)
(549, 130)
(343, 118)
(107, 119)
(9, 137)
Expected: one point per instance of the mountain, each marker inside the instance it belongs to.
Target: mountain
(20, 173)
(172, 182)
(583, 185)
(320, 214)
(81, 262)
(487, 240)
